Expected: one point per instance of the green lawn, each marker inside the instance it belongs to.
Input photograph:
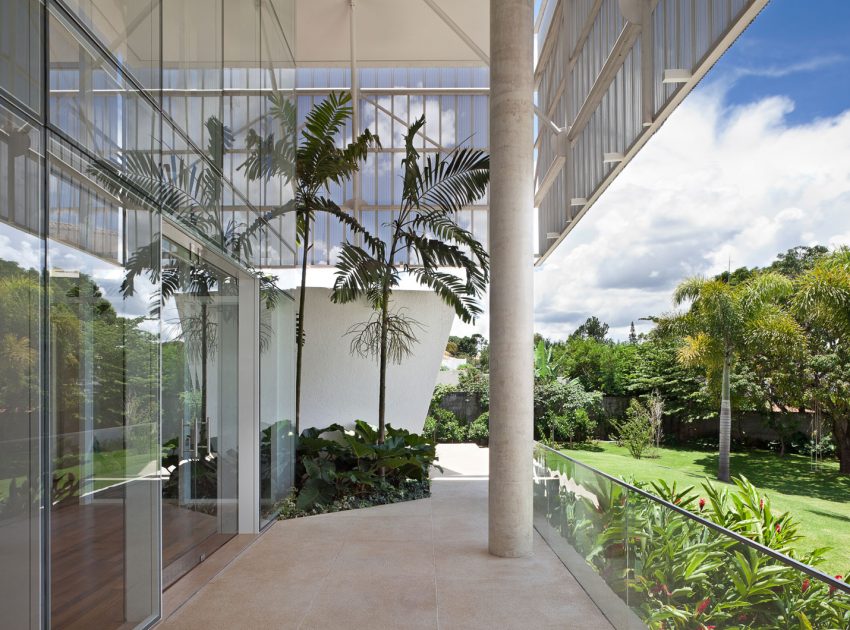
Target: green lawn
(820, 501)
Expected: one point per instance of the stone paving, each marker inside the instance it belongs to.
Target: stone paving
(420, 564)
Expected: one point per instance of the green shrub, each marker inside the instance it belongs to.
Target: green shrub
(408, 491)
(636, 432)
(564, 410)
(479, 430)
(335, 464)
(444, 427)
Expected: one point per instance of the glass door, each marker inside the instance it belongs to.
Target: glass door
(200, 333)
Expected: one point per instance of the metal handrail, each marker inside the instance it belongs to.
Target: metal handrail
(796, 564)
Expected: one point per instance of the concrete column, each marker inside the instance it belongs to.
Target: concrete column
(511, 285)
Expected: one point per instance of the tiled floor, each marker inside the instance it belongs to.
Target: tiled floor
(421, 564)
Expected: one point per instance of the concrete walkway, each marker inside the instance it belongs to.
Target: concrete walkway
(420, 564)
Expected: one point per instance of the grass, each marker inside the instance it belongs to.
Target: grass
(109, 467)
(819, 500)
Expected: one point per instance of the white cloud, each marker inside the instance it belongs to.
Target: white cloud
(716, 184)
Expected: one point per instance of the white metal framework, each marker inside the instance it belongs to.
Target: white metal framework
(608, 74)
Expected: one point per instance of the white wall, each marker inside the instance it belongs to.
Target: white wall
(339, 387)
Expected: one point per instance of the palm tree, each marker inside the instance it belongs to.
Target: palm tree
(424, 240)
(722, 320)
(822, 302)
(318, 162)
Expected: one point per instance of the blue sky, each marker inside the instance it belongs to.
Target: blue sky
(755, 161)
(795, 48)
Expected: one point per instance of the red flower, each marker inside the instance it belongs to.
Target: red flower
(761, 504)
(805, 586)
(743, 617)
(778, 528)
(701, 504)
(832, 589)
(703, 605)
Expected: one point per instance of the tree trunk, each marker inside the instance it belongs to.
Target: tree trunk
(382, 396)
(299, 328)
(841, 430)
(725, 420)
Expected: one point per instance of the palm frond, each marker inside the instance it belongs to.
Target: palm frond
(452, 290)
(449, 183)
(688, 290)
(358, 273)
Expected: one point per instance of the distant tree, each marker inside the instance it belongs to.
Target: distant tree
(632, 334)
(798, 260)
(657, 368)
(467, 346)
(592, 328)
(721, 320)
(484, 358)
(603, 366)
(822, 303)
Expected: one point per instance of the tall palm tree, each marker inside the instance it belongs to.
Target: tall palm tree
(722, 319)
(424, 242)
(822, 302)
(318, 163)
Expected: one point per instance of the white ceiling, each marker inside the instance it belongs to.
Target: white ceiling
(391, 32)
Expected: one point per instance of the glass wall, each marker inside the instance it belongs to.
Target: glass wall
(455, 103)
(21, 264)
(103, 400)
(116, 401)
(200, 335)
(277, 403)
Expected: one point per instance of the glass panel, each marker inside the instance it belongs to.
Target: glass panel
(131, 28)
(93, 104)
(192, 76)
(671, 567)
(200, 326)
(193, 189)
(20, 51)
(104, 373)
(277, 405)
(21, 264)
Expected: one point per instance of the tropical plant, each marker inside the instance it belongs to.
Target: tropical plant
(721, 320)
(318, 163)
(546, 366)
(424, 241)
(675, 571)
(335, 463)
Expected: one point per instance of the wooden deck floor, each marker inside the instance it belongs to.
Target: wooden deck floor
(88, 557)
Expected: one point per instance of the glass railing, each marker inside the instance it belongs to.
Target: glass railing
(648, 562)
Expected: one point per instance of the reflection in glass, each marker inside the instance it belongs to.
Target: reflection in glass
(20, 51)
(94, 105)
(104, 407)
(200, 326)
(132, 30)
(21, 262)
(277, 404)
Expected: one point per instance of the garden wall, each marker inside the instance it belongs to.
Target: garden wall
(466, 407)
(747, 426)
